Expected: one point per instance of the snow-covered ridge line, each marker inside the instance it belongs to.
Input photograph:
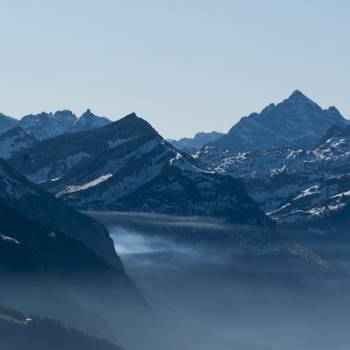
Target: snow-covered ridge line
(291, 185)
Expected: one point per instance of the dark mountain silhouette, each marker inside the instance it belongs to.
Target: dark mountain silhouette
(56, 262)
(18, 332)
(296, 122)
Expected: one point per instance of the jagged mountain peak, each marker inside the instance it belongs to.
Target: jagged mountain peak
(88, 120)
(297, 95)
(47, 125)
(132, 115)
(333, 109)
(132, 126)
(268, 108)
(87, 114)
(134, 119)
(41, 114)
(295, 122)
(65, 114)
(300, 101)
(297, 98)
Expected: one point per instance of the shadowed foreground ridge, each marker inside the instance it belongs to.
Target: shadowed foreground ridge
(54, 273)
(18, 332)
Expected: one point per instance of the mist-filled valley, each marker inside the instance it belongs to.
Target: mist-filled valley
(113, 237)
(174, 175)
(211, 290)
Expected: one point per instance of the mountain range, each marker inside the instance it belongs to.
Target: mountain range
(128, 166)
(199, 140)
(294, 186)
(42, 126)
(295, 122)
(287, 168)
(55, 262)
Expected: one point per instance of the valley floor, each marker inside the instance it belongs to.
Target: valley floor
(207, 303)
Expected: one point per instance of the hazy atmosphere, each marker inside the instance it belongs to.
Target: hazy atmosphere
(174, 175)
(172, 62)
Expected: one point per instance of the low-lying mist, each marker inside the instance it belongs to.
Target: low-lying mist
(212, 291)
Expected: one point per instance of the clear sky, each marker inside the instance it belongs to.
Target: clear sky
(184, 66)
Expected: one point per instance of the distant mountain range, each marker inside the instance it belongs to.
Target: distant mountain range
(285, 168)
(45, 125)
(16, 135)
(295, 122)
(300, 187)
(128, 166)
(198, 141)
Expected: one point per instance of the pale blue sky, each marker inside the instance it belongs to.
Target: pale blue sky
(185, 66)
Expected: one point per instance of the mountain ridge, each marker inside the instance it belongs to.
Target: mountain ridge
(108, 167)
(57, 262)
(295, 122)
(197, 141)
(294, 186)
(46, 125)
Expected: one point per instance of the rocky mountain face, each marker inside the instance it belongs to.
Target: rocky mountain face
(198, 141)
(35, 204)
(128, 166)
(294, 186)
(6, 123)
(296, 122)
(14, 140)
(44, 125)
(89, 121)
